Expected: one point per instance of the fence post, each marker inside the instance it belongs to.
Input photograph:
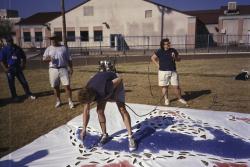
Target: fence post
(186, 44)
(208, 42)
(148, 41)
(227, 44)
(100, 42)
(123, 44)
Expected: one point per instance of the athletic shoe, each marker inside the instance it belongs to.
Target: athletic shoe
(183, 101)
(104, 139)
(32, 97)
(71, 105)
(132, 144)
(166, 102)
(58, 104)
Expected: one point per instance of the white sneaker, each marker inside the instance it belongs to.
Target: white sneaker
(58, 104)
(183, 101)
(132, 144)
(104, 139)
(167, 102)
(71, 105)
(32, 97)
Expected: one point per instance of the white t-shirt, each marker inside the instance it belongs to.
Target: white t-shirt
(59, 55)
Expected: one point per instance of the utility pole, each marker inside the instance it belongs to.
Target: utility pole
(64, 24)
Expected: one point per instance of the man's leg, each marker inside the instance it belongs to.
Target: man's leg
(101, 115)
(127, 122)
(102, 121)
(24, 83)
(125, 117)
(65, 80)
(165, 94)
(177, 91)
(163, 82)
(11, 83)
(69, 94)
(176, 86)
(55, 84)
(57, 95)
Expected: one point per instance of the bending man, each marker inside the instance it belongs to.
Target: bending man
(103, 87)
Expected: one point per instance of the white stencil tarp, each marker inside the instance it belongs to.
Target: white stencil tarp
(166, 137)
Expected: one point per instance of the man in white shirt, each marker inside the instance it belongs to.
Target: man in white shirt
(60, 69)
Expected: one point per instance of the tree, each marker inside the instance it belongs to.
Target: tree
(6, 28)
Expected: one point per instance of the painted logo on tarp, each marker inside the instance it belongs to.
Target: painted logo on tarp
(165, 135)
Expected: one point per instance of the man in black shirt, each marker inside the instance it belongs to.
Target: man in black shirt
(164, 59)
(103, 87)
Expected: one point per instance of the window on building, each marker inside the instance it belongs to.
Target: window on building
(84, 35)
(148, 13)
(26, 37)
(88, 11)
(38, 36)
(71, 36)
(58, 34)
(98, 35)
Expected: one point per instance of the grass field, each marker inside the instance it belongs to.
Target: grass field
(206, 84)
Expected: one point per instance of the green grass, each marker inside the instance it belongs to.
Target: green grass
(207, 84)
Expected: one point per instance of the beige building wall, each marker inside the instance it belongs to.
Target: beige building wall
(124, 17)
(32, 29)
(235, 28)
(212, 30)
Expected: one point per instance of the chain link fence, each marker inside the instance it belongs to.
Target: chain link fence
(143, 45)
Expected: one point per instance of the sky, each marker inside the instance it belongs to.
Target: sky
(29, 7)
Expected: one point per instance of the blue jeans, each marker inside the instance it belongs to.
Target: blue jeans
(17, 72)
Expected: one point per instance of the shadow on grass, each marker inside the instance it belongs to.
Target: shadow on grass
(190, 95)
(6, 101)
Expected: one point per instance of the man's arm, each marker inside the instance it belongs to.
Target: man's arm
(5, 69)
(70, 67)
(154, 59)
(23, 56)
(46, 56)
(4, 65)
(85, 118)
(176, 56)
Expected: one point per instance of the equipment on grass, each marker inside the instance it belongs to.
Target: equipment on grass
(107, 65)
(243, 75)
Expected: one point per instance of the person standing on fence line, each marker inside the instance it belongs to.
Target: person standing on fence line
(60, 69)
(13, 62)
(103, 87)
(165, 58)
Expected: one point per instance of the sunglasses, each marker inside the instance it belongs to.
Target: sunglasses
(168, 43)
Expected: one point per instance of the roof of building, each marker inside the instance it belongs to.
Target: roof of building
(39, 18)
(212, 16)
(206, 16)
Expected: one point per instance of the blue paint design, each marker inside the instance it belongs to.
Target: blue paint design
(147, 137)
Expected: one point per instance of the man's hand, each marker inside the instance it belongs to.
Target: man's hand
(4, 66)
(154, 59)
(48, 59)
